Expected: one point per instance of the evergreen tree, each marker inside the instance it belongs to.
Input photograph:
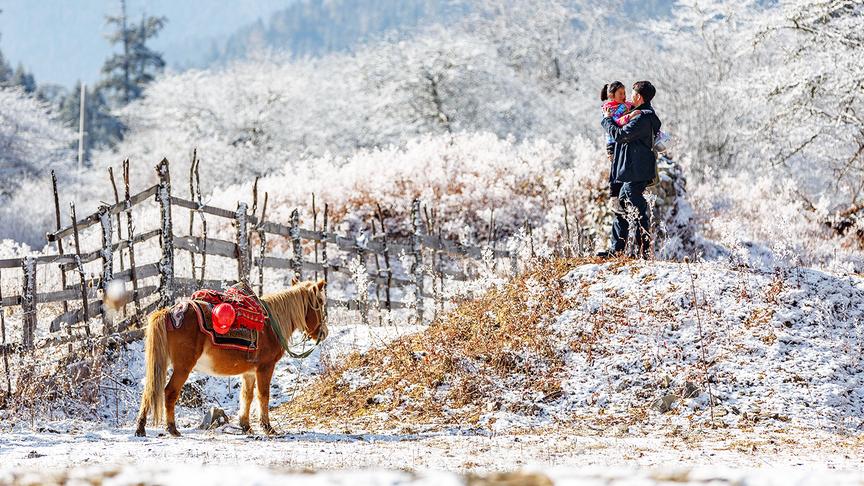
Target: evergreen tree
(18, 77)
(51, 93)
(23, 79)
(5, 70)
(129, 71)
(101, 128)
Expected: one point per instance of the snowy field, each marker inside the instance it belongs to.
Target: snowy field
(219, 457)
(662, 452)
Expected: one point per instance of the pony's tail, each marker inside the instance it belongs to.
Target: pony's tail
(604, 93)
(156, 352)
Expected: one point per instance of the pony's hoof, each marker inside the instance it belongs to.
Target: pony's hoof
(174, 432)
(269, 430)
(140, 433)
(246, 428)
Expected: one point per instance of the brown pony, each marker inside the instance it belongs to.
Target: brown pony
(300, 307)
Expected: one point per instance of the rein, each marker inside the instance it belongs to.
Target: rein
(284, 341)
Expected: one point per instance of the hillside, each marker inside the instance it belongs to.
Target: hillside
(582, 343)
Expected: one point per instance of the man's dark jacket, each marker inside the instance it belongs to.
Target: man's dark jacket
(634, 161)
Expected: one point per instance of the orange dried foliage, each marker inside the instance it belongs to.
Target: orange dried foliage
(452, 372)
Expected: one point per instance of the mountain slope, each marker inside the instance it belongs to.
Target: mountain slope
(316, 27)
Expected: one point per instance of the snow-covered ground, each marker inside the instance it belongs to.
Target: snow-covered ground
(218, 457)
(803, 430)
(654, 344)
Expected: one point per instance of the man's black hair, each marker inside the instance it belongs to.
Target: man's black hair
(646, 89)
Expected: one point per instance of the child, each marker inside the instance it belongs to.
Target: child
(614, 96)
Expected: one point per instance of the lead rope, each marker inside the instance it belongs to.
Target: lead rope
(286, 342)
(319, 309)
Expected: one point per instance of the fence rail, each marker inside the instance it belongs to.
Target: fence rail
(82, 296)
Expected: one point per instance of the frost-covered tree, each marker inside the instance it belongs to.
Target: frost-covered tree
(31, 139)
(539, 39)
(484, 75)
(128, 71)
(258, 115)
(813, 109)
(706, 49)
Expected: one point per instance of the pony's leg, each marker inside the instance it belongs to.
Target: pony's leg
(172, 393)
(246, 400)
(142, 422)
(264, 374)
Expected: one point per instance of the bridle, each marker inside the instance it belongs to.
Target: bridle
(320, 310)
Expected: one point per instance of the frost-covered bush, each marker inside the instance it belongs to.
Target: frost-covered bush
(465, 181)
(765, 223)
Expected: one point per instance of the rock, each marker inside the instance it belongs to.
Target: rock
(665, 382)
(664, 404)
(618, 430)
(215, 417)
(689, 390)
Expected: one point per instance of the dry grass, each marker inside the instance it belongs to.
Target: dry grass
(457, 369)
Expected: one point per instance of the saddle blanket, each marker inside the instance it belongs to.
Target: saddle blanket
(248, 309)
(237, 338)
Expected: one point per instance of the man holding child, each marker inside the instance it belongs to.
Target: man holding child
(631, 135)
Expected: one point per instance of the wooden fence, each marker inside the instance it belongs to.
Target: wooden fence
(80, 297)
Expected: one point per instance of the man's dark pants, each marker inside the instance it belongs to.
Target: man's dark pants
(631, 194)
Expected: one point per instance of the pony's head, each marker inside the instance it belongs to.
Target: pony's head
(301, 307)
(316, 310)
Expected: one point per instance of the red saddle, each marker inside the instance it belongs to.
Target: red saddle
(248, 309)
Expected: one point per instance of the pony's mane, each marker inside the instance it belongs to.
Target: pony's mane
(289, 307)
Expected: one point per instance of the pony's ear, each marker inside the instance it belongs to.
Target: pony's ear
(295, 280)
(321, 284)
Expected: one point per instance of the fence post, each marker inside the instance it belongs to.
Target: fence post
(28, 301)
(119, 223)
(324, 262)
(416, 249)
(242, 222)
(85, 307)
(166, 238)
(377, 270)
(192, 211)
(297, 257)
(363, 297)
(262, 238)
(315, 228)
(60, 247)
(386, 252)
(107, 263)
(129, 242)
(3, 343)
(200, 201)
